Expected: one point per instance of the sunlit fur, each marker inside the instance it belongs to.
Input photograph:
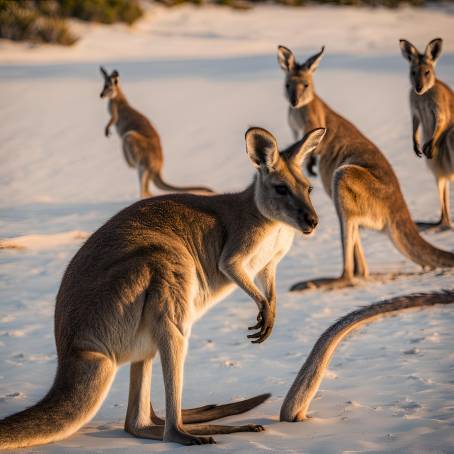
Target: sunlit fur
(140, 141)
(294, 208)
(139, 283)
(299, 87)
(432, 111)
(422, 66)
(361, 182)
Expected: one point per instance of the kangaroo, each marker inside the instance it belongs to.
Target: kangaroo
(139, 283)
(299, 397)
(358, 178)
(140, 140)
(432, 111)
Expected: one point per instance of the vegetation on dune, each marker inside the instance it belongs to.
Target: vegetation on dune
(251, 3)
(44, 21)
(105, 11)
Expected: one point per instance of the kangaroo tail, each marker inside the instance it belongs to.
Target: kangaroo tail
(307, 382)
(211, 412)
(405, 236)
(79, 388)
(161, 184)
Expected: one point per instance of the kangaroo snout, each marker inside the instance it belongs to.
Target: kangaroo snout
(309, 221)
(293, 100)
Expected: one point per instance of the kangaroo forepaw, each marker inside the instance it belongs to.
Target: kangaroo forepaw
(428, 149)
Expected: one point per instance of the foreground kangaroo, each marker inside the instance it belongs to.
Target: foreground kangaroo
(358, 178)
(307, 382)
(432, 111)
(140, 140)
(140, 282)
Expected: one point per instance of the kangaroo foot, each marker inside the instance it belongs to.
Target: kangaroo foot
(176, 435)
(211, 429)
(150, 432)
(436, 227)
(324, 283)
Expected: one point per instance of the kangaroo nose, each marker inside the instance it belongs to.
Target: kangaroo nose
(311, 220)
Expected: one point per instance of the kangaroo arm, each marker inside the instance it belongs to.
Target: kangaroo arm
(112, 121)
(233, 267)
(429, 148)
(267, 281)
(415, 136)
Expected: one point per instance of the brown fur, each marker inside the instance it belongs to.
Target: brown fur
(140, 141)
(140, 282)
(358, 178)
(432, 110)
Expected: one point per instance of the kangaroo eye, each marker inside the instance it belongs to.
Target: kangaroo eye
(281, 189)
(287, 85)
(427, 73)
(306, 85)
(310, 189)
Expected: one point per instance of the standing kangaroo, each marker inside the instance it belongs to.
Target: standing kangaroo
(432, 111)
(356, 175)
(140, 140)
(140, 282)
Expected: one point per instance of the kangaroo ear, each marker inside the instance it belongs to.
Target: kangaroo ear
(433, 49)
(305, 146)
(261, 148)
(285, 58)
(312, 62)
(103, 72)
(408, 50)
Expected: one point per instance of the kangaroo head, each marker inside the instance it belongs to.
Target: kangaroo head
(299, 85)
(422, 66)
(282, 192)
(110, 88)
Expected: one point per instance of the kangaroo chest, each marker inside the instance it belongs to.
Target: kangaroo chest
(425, 110)
(273, 247)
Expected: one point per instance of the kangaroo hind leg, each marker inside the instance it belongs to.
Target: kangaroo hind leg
(445, 219)
(144, 180)
(138, 417)
(172, 346)
(360, 264)
(345, 187)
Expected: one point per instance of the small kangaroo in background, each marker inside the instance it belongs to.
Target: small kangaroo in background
(432, 111)
(140, 282)
(140, 140)
(356, 175)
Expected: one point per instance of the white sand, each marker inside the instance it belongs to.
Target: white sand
(203, 76)
(47, 241)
